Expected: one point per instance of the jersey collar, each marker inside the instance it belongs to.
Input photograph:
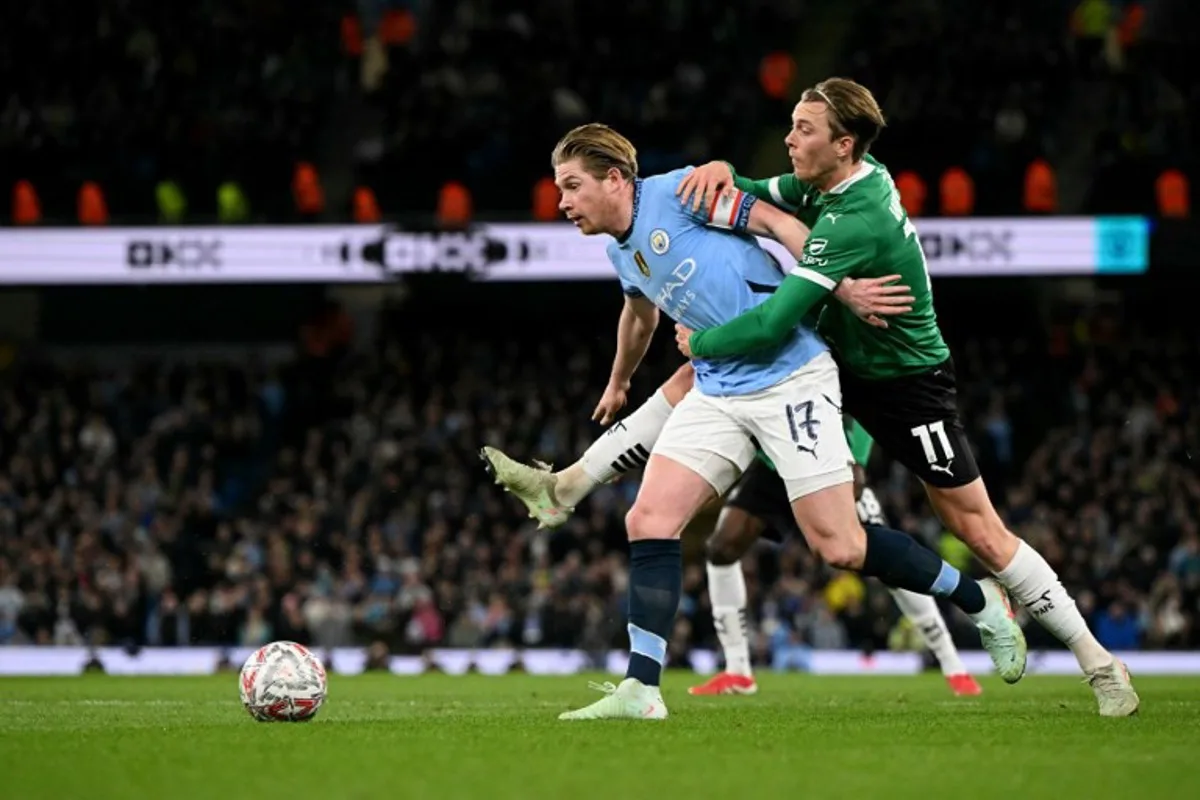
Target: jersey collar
(637, 201)
(864, 169)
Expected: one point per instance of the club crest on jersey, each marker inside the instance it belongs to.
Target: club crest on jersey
(817, 246)
(660, 242)
(642, 266)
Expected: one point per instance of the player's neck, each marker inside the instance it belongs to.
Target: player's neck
(838, 175)
(623, 217)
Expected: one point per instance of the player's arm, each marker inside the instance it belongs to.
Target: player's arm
(870, 300)
(786, 191)
(767, 220)
(829, 256)
(766, 325)
(702, 187)
(639, 318)
(741, 212)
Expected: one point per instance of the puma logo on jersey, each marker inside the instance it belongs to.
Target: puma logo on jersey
(946, 469)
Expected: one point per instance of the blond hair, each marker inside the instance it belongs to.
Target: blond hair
(599, 149)
(853, 111)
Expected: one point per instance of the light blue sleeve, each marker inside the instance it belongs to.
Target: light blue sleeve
(617, 258)
(730, 212)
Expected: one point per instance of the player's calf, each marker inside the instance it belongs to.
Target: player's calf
(900, 562)
(1027, 576)
(922, 611)
(736, 531)
(625, 447)
(735, 534)
(551, 496)
(968, 512)
(670, 495)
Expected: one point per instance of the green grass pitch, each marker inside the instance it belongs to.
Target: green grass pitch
(435, 736)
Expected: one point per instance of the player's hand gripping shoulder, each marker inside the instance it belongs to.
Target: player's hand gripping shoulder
(703, 185)
(706, 186)
(870, 299)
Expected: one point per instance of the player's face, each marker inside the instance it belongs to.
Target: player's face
(587, 202)
(811, 145)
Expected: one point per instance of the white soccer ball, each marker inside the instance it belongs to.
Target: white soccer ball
(282, 682)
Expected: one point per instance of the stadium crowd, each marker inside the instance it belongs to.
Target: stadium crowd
(128, 93)
(983, 99)
(493, 84)
(340, 501)
(133, 98)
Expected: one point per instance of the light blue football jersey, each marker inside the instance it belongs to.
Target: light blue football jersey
(703, 269)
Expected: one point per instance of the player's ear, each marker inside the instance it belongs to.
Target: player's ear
(845, 146)
(613, 177)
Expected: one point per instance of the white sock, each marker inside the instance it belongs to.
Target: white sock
(1034, 584)
(623, 448)
(727, 591)
(922, 611)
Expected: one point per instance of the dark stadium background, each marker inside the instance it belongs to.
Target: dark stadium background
(226, 465)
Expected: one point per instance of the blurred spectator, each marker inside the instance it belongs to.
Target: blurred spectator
(127, 95)
(1116, 629)
(205, 112)
(215, 503)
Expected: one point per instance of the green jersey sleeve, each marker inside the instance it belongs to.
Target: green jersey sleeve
(838, 245)
(762, 326)
(786, 191)
(860, 441)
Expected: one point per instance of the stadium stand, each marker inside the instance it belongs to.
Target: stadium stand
(336, 498)
(232, 97)
(128, 94)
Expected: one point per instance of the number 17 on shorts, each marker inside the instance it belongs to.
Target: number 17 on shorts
(798, 425)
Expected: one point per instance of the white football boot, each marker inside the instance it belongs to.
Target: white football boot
(999, 632)
(1114, 690)
(632, 699)
(533, 486)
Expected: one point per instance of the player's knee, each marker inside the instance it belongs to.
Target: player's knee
(845, 549)
(642, 522)
(721, 551)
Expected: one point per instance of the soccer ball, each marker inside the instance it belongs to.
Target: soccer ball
(282, 682)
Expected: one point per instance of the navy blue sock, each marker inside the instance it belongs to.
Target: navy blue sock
(655, 582)
(902, 562)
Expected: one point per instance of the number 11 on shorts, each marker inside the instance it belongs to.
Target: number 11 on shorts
(927, 433)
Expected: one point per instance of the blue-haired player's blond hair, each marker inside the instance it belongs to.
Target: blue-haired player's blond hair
(598, 148)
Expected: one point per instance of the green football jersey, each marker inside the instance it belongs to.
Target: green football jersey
(860, 229)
